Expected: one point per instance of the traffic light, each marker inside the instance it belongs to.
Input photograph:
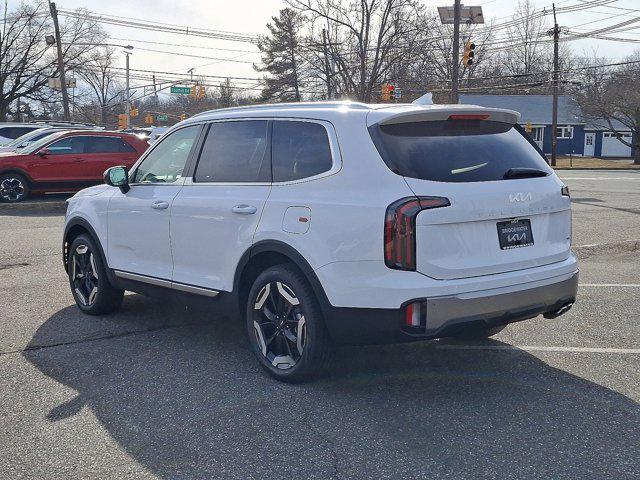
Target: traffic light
(193, 91)
(182, 116)
(387, 92)
(133, 112)
(123, 121)
(201, 92)
(148, 119)
(469, 53)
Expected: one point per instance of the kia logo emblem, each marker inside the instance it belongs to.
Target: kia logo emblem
(520, 197)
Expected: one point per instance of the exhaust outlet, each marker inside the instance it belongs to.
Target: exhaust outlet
(556, 313)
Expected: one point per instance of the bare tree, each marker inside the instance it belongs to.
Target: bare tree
(27, 62)
(363, 40)
(610, 98)
(527, 38)
(97, 72)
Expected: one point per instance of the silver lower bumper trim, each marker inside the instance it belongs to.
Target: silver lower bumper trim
(503, 305)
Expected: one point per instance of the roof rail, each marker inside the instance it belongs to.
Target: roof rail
(273, 106)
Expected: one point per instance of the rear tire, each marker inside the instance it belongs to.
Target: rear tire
(88, 279)
(481, 333)
(285, 325)
(13, 188)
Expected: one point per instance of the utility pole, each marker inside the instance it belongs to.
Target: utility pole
(155, 88)
(63, 80)
(327, 65)
(127, 105)
(456, 52)
(554, 122)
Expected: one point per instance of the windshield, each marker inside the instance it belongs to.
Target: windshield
(35, 146)
(26, 137)
(456, 150)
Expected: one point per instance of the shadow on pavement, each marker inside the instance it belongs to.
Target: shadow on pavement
(36, 207)
(190, 402)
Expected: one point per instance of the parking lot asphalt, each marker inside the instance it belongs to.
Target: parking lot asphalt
(161, 391)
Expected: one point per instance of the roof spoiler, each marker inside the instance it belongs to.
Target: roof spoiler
(453, 112)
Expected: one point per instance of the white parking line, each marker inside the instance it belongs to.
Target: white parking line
(600, 178)
(621, 285)
(533, 348)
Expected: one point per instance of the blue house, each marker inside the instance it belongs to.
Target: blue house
(575, 137)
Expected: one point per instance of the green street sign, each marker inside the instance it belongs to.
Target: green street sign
(181, 90)
(162, 118)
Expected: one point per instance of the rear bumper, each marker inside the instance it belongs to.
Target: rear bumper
(451, 314)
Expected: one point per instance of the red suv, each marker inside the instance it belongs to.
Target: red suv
(65, 161)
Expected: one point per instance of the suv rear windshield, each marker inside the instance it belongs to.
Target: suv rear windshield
(456, 150)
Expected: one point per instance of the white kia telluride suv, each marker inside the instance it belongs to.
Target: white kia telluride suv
(333, 223)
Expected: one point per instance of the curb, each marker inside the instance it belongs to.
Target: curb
(586, 251)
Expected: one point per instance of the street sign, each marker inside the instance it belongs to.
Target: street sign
(397, 93)
(181, 90)
(162, 118)
(54, 83)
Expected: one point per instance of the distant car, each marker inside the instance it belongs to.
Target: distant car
(9, 131)
(65, 161)
(156, 133)
(33, 136)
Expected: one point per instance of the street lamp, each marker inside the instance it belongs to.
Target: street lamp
(453, 15)
(127, 52)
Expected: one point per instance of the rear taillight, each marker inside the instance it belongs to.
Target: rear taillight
(565, 191)
(400, 230)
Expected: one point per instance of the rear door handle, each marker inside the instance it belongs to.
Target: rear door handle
(160, 205)
(244, 209)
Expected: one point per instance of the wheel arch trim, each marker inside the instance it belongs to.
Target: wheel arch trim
(18, 171)
(81, 222)
(276, 246)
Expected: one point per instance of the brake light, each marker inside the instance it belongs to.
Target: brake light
(468, 116)
(400, 230)
(565, 191)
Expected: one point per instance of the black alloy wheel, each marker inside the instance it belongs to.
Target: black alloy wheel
(88, 279)
(84, 275)
(285, 325)
(13, 188)
(279, 325)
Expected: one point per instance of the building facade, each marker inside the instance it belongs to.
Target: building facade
(575, 137)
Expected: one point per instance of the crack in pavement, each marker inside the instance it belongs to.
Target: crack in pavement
(32, 348)
(331, 445)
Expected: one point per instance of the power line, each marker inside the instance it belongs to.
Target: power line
(161, 27)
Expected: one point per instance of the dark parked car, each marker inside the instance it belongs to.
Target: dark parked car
(65, 161)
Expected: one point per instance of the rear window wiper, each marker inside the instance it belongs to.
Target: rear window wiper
(524, 173)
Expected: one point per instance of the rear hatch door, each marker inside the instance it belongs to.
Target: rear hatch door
(506, 208)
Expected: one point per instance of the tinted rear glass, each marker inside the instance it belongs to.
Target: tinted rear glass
(455, 150)
(300, 150)
(235, 152)
(108, 145)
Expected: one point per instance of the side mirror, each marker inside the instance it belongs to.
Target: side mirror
(43, 152)
(117, 177)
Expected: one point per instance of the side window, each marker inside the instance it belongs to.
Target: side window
(299, 150)
(234, 152)
(108, 145)
(165, 163)
(15, 132)
(68, 145)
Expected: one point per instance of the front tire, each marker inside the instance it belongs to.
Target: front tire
(285, 325)
(13, 188)
(88, 279)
